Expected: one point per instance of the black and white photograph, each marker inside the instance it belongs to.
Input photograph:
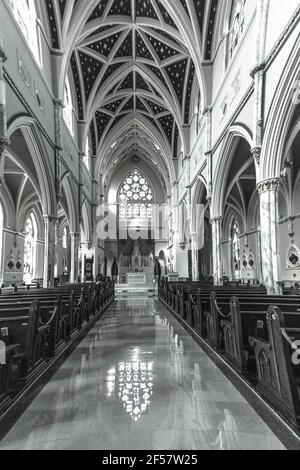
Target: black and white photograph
(149, 228)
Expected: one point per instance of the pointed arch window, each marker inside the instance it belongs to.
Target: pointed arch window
(68, 106)
(87, 156)
(30, 249)
(26, 15)
(236, 250)
(236, 26)
(136, 197)
(1, 235)
(65, 238)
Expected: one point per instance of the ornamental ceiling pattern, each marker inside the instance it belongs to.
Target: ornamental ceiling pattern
(129, 58)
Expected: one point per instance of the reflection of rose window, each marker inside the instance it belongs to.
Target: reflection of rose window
(135, 387)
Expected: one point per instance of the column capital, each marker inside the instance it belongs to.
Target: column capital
(256, 153)
(216, 219)
(58, 102)
(50, 218)
(194, 235)
(207, 110)
(260, 67)
(272, 184)
(87, 245)
(4, 143)
(75, 234)
(3, 56)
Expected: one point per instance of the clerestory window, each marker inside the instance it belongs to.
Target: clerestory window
(26, 15)
(236, 26)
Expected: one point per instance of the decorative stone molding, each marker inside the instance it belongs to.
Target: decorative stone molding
(4, 143)
(3, 56)
(270, 185)
(256, 153)
(50, 218)
(207, 110)
(293, 257)
(59, 103)
(216, 220)
(88, 245)
(260, 67)
(75, 235)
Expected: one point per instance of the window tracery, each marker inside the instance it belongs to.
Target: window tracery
(236, 250)
(29, 249)
(26, 15)
(236, 26)
(136, 197)
(68, 106)
(86, 157)
(1, 231)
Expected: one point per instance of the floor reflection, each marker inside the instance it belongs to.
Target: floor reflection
(135, 387)
(138, 381)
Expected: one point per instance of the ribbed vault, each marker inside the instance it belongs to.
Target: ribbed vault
(136, 58)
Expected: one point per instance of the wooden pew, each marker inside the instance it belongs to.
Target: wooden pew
(6, 376)
(62, 306)
(230, 325)
(257, 338)
(278, 377)
(32, 336)
(41, 323)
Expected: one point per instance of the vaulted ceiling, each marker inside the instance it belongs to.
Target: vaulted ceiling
(134, 58)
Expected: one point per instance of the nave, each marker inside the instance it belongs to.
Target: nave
(139, 381)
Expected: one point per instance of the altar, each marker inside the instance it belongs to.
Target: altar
(135, 268)
(136, 279)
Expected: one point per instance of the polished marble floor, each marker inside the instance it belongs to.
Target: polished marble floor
(138, 381)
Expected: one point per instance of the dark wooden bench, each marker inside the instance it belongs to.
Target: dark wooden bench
(277, 364)
(228, 324)
(37, 326)
(254, 332)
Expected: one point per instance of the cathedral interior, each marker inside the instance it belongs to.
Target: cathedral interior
(150, 198)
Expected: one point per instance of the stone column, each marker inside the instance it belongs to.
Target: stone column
(87, 251)
(175, 227)
(75, 242)
(4, 141)
(58, 116)
(195, 256)
(49, 253)
(216, 223)
(258, 75)
(268, 193)
(81, 156)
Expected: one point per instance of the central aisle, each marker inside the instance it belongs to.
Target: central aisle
(138, 381)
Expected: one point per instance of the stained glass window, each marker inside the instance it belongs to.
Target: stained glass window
(236, 250)
(29, 250)
(236, 26)
(86, 158)
(1, 232)
(25, 13)
(68, 109)
(65, 238)
(136, 197)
